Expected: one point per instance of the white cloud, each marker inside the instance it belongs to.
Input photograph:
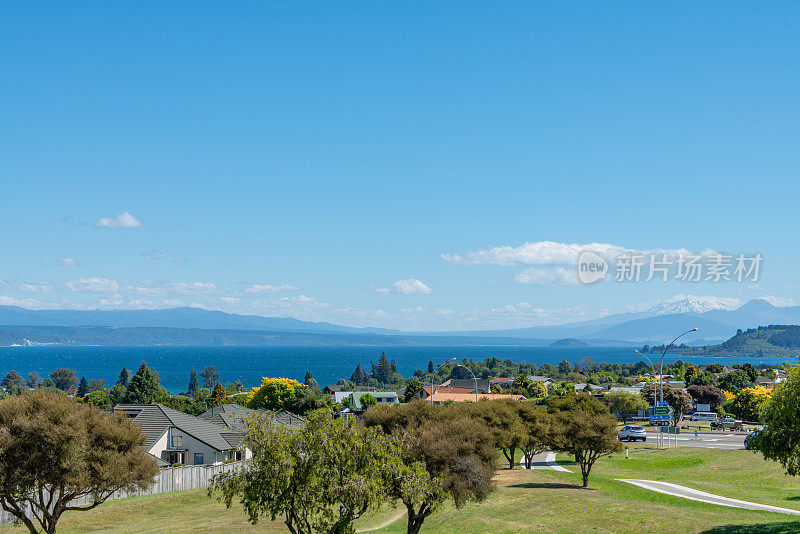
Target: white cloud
(155, 254)
(411, 286)
(39, 287)
(266, 288)
(123, 220)
(547, 276)
(93, 285)
(67, 262)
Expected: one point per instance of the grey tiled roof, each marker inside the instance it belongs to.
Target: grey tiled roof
(228, 415)
(155, 419)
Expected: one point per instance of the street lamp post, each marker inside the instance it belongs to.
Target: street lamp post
(661, 364)
(474, 378)
(433, 375)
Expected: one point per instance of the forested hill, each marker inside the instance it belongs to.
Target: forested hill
(772, 340)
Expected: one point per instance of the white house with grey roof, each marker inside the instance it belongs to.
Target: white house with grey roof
(175, 437)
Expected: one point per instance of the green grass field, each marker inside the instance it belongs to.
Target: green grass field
(525, 501)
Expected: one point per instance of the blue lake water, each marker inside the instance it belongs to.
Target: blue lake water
(327, 364)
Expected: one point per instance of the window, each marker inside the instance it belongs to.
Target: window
(238, 455)
(198, 458)
(177, 442)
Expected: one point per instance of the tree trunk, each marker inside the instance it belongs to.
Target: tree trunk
(585, 469)
(509, 454)
(415, 521)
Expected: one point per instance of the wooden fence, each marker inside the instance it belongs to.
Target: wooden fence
(167, 480)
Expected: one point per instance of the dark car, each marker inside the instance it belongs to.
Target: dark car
(751, 441)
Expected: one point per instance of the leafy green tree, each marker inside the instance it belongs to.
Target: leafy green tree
(715, 368)
(319, 478)
(185, 404)
(536, 391)
(563, 388)
(503, 420)
(218, 396)
(780, 438)
(702, 379)
(13, 383)
(413, 387)
(194, 384)
(583, 427)
(564, 367)
(454, 448)
(145, 388)
(34, 380)
(679, 399)
(536, 426)
(306, 400)
(366, 400)
(83, 388)
(431, 368)
(210, 377)
(750, 402)
(735, 381)
(625, 404)
(101, 399)
(117, 394)
(690, 373)
(56, 450)
(359, 376)
(309, 381)
(64, 378)
(96, 384)
(707, 395)
(272, 394)
(124, 377)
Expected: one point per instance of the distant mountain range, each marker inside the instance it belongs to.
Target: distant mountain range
(716, 321)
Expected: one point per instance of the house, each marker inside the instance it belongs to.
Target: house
(441, 398)
(502, 381)
(231, 415)
(178, 438)
(593, 387)
(332, 389)
(71, 391)
(483, 383)
(383, 397)
(536, 378)
(765, 382)
(425, 392)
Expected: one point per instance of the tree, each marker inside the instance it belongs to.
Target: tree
(583, 427)
(564, 367)
(309, 381)
(96, 384)
(194, 384)
(535, 424)
(431, 368)
(780, 438)
(83, 388)
(366, 400)
(144, 387)
(124, 377)
(13, 383)
(537, 390)
(101, 399)
(454, 448)
(679, 399)
(625, 404)
(503, 420)
(715, 368)
(413, 387)
(707, 395)
(306, 400)
(55, 450)
(210, 377)
(319, 478)
(359, 376)
(218, 396)
(750, 402)
(272, 394)
(735, 381)
(690, 373)
(34, 380)
(563, 388)
(64, 378)
(702, 379)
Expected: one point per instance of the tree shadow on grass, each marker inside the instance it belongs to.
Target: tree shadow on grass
(785, 527)
(547, 485)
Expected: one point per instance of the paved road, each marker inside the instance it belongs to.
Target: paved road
(711, 440)
(545, 460)
(697, 495)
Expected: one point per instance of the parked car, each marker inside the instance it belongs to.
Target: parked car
(632, 433)
(726, 423)
(750, 440)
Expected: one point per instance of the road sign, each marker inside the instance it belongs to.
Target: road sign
(662, 403)
(660, 417)
(663, 410)
(659, 423)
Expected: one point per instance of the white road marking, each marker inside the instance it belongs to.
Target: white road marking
(675, 490)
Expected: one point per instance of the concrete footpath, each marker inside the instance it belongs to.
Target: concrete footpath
(668, 488)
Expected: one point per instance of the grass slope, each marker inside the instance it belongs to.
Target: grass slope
(525, 501)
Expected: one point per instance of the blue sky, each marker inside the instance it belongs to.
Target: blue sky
(324, 161)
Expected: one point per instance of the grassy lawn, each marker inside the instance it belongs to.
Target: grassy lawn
(525, 501)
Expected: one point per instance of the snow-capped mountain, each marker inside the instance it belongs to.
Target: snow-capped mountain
(693, 304)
